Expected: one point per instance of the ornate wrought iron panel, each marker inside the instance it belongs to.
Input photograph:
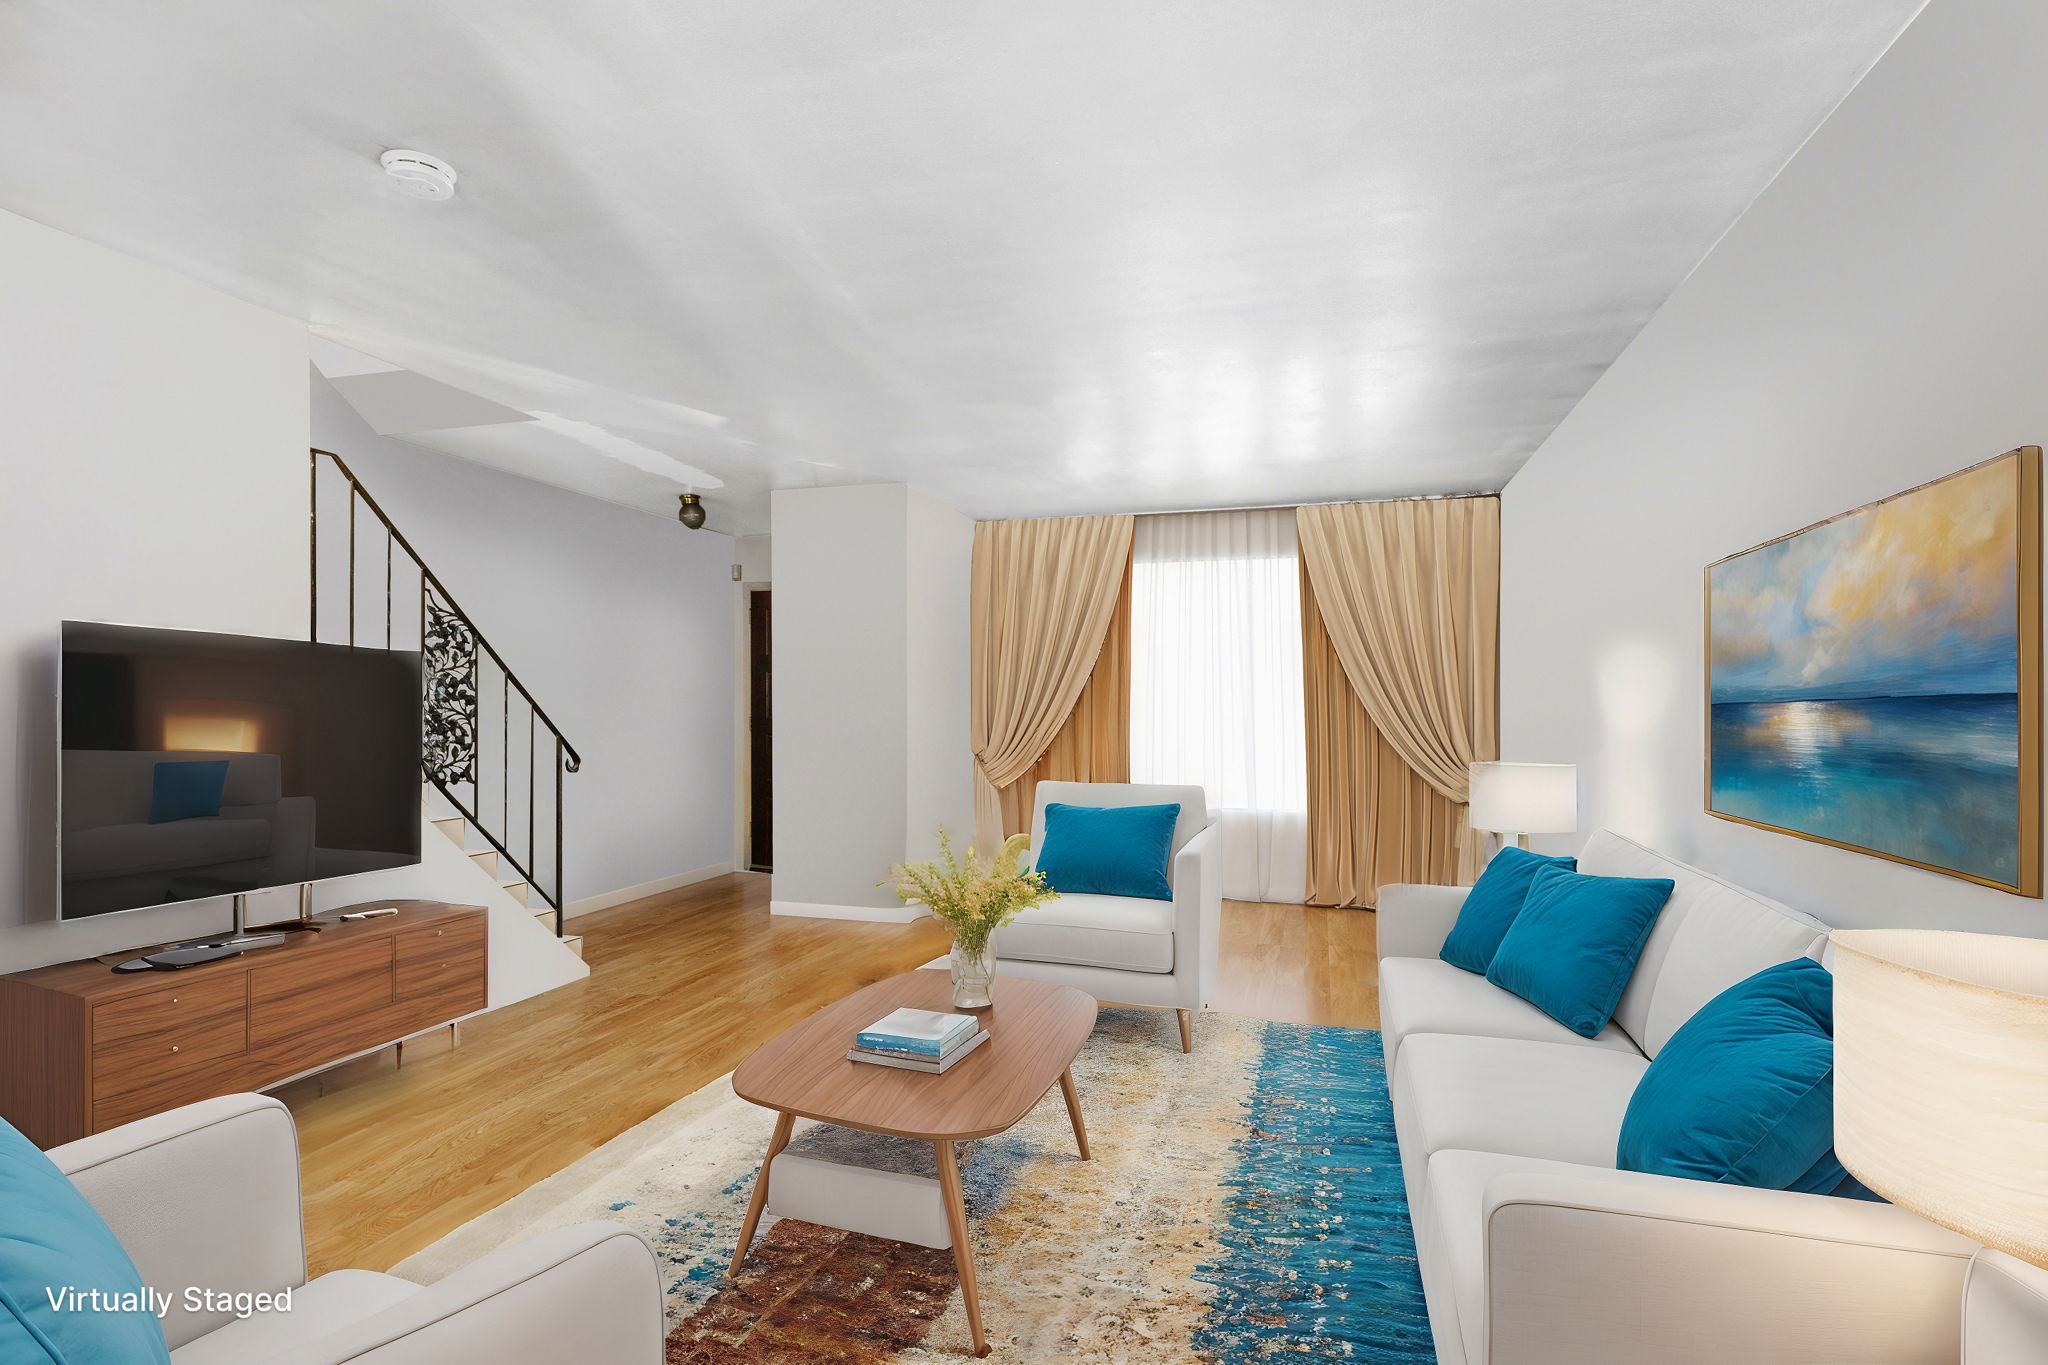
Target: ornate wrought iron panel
(448, 649)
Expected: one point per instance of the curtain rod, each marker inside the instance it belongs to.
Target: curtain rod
(1319, 502)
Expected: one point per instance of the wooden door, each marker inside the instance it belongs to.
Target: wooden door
(761, 803)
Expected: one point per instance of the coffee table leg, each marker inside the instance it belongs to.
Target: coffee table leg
(963, 1254)
(783, 1123)
(1074, 1112)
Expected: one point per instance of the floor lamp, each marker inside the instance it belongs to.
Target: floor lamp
(1941, 1106)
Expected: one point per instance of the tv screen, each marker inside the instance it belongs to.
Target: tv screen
(195, 765)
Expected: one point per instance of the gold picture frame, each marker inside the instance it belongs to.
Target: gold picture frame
(1873, 673)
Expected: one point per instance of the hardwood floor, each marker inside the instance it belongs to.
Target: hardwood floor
(682, 987)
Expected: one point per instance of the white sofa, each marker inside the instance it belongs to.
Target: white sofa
(1123, 949)
(207, 1197)
(1535, 1250)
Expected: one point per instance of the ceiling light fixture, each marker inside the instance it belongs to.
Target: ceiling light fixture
(691, 512)
(419, 175)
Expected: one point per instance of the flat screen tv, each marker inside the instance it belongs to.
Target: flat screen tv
(195, 765)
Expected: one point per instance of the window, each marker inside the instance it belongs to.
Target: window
(1216, 688)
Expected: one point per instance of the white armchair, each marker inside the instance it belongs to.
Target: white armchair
(207, 1197)
(1123, 949)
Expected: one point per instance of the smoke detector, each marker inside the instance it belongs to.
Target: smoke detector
(419, 175)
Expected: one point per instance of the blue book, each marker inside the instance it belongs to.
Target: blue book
(924, 1033)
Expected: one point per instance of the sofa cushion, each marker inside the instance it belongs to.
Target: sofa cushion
(1558, 1101)
(1424, 995)
(1122, 933)
(1711, 935)
(115, 850)
(51, 1239)
(320, 1307)
(1743, 1093)
(1571, 950)
(1108, 850)
(1491, 906)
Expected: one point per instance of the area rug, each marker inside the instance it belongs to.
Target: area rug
(1244, 1205)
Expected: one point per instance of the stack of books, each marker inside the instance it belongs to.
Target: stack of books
(918, 1040)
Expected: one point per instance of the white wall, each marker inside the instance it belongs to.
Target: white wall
(870, 690)
(154, 432)
(1879, 318)
(618, 621)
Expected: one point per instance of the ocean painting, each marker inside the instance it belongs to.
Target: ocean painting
(1865, 678)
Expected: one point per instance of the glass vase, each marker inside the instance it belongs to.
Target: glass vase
(973, 976)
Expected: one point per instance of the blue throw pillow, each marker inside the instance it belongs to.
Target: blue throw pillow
(52, 1239)
(1744, 1093)
(187, 788)
(1108, 850)
(1491, 906)
(1571, 950)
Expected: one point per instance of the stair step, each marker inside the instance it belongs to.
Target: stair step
(455, 827)
(487, 860)
(574, 943)
(516, 890)
(545, 917)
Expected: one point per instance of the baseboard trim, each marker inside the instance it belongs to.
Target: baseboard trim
(873, 914)
(608, 899)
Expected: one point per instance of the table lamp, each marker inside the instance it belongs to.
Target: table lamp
(1941, 1106)
(1524, 799)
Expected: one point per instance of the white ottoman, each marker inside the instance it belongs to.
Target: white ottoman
(862, 1182)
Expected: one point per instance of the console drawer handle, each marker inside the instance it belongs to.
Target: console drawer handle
(174, 1047)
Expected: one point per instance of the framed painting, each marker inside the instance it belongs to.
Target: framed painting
(1874, 681)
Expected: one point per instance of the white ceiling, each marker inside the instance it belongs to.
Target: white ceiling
(1034, 256)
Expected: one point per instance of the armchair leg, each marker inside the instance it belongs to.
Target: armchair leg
(1187, 1030)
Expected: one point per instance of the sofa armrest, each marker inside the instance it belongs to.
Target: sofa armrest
(588, 1293)
(1414, 920)
(203, 1196)
(1198, 909)
(1617, 1266)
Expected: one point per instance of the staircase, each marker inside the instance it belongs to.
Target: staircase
(493, 760)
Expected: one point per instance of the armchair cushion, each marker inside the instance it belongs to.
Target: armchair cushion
(1108, 850)
(1122, 933)
(183, 790)
(51, 1239)
(323, 1305)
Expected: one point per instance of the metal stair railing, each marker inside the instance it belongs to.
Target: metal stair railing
(479, 767)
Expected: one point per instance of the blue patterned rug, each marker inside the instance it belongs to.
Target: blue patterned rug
(1244, 1206)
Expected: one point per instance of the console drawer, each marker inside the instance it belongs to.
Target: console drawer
(335, 992)
(169, 1031)
(444, 961)
(153, 1052)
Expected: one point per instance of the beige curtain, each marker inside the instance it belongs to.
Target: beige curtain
(1408, 594)
(1043, 594)
(1372, 819)
(1095, 743)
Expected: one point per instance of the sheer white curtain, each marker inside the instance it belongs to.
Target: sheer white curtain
(1216, 695)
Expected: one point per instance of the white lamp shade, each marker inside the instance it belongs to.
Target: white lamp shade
(1525, 798)
(1941, 1078)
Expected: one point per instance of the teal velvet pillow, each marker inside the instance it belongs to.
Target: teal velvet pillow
(1744, 1093)
(1108, 850)
(185, 789)
(51, 1239)
(1491, 906)
(1571, 950)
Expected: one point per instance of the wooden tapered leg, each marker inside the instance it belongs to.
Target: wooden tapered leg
(1187, 1030)
(1074, 1112)
(783, 1123)
(963, 1254)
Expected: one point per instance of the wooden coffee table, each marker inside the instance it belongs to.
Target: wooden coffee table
(1035, 1031)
